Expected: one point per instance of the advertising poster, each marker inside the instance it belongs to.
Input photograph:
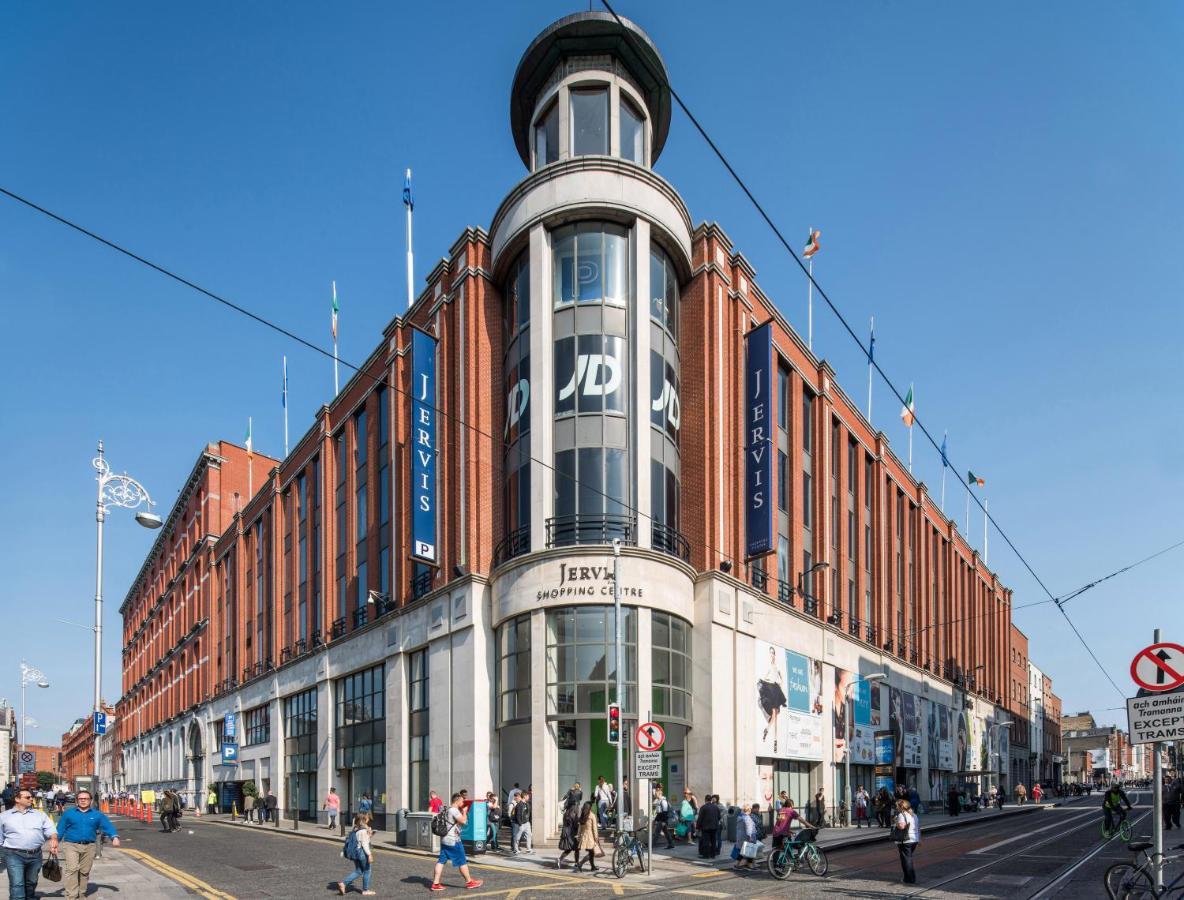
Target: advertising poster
(876, 705)
(896, 724)
(945, 743)
(764, 784)
(860, 701)
(863, 746)
(785, 731)
(885, 748)
(932, 734)
(423, 437)
(965, 758)
(910, 754)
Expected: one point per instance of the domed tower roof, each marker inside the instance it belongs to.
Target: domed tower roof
(586, 34)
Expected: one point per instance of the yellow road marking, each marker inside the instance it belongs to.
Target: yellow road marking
(182, 878)
(694, 893)
(712, 874)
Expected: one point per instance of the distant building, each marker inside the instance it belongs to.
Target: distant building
(47, 758)
(1036, 754)
(1020, 765)
(78, 748)
(8, 742)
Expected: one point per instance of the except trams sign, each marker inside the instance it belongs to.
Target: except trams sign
(1156, 718)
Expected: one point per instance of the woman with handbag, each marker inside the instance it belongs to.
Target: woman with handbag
(906, 832)
(588, 839)
(569, 835)
(746, 850)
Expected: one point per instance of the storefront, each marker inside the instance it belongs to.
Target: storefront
(360, 721)
(300, 752)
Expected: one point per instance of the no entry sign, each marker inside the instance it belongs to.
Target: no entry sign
(650, 736)
(1159, 667)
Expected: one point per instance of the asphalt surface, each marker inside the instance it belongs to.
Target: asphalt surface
(1045, 854)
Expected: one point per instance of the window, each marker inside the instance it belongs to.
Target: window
(591, 264)
(361, 511)
(807, 506)
(257, 726)
(632, 125)
(360, 721)
(300, 733)
(513, 671)
(546, 137)
(663, 291)
(671, 660)
(783, 398)
(517, 294)
(589, 121)
(782, 481)
(807, 422)
(591, 485)
(418, 754)
(581, 660)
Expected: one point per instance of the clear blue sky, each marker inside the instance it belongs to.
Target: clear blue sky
(1000, 185)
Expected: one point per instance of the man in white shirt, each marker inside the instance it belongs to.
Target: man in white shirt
(604, 799)
(23, 832)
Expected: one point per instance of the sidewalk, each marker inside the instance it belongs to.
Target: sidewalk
(121, 874)
(667, 863)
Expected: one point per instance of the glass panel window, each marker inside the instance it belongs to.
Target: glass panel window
(591, 263)
(581, 660)
(589, 121)
(418, 696)
(663, 291)
(671, 661)
(513, 672)
(546, 137)
(632, 133)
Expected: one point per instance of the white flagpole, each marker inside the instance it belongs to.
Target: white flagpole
(871, 352)
(336, 386)
(810, 301)
(285, 405)
(410, 256)
(912, 394)
(986, 522)
(250, 459)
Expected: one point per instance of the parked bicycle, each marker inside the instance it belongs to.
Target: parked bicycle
(799, 849)
(1137, 879)
(628, 847)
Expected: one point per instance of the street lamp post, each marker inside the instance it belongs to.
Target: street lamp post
(848, 692)
(29, 675)
(802, 579)
(123, 491)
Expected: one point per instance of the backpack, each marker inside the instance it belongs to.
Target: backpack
(441, 824)
(352, 848)
(521, 812)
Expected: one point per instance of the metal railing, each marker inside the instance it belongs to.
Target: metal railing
(759, 579)
(854, 627)
(564, 531)
(785, 593)
(810, 605)
(871, 635)
(337, 629)
(360, 616)
(835, 618)
(421, 584)
(516, 543)
(670, 541)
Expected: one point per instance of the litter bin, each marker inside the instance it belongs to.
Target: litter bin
(419, 832)
(401, 826)
(475, 830)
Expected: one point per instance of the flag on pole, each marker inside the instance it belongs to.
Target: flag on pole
(908, 412)
(871, 345)
(812, 245)
(334, 309)
(407, 199)
(248, 437)
(945, 460)
(284, 392)
(973, 479)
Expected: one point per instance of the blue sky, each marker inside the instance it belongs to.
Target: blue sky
(999, 185)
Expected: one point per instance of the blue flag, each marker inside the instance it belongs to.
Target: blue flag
(871, 348)
(945, 461)
(408, 202)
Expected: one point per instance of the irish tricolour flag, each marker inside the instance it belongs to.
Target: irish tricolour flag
(908, 412)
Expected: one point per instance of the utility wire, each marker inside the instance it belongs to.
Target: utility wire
(662, 79)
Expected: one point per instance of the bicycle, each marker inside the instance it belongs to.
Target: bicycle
(794, 851)
(627, 847)
(1123, 828)
(1135, 879)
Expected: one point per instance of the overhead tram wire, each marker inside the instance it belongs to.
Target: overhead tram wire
(661, 79)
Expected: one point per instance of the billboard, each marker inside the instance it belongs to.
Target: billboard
(788, 691)
(423, 446)
(758, 444)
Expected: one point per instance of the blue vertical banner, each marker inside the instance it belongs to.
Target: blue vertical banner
(423, 446)
(798, 667)
(758, 444)
(861, 702)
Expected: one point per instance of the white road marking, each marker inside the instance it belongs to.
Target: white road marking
(1026, 836)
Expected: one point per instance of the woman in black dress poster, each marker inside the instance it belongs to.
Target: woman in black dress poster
(771, 688)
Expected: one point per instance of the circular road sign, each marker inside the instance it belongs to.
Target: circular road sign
(650, 736)
(1159, 667)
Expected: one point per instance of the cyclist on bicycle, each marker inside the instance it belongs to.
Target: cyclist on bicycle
(1112, 802)
(785, 818)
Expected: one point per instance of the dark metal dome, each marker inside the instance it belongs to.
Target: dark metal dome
(582, 34)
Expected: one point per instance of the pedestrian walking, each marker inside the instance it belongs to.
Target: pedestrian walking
(1021, 794)
(248, 807)
(688, 810)
(569, 836)
(511, 795)
(212, 801)
(662, 816)
(357, 850)
(452, 850)
(707, 822)
(588, 840)
(862, 800)
(747, 834)
(1172, 791)
(493, 819)
(435, 804)
(332, 806)
(914, 799)
(365, 804)
(169, 807)
(23, 832)
(78, 829)
(605, 799)
(573, 797)
(1037, 792)
(820, 808)
(907, 834)
(883, 807)
(271, 807)
(520, 827)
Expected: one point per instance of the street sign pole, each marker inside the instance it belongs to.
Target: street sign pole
(620, 666)
(649, 859)
(1157, 805)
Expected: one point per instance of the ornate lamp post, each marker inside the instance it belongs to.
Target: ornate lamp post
(126, 492)
(29, 675)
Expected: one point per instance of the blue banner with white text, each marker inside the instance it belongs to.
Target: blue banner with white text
(423, 446)
(758, 443)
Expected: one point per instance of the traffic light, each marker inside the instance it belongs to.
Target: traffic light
(614, 723)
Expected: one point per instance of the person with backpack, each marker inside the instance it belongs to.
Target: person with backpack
(358, 851)
(520, 824)
(447, 824)
(662, 817)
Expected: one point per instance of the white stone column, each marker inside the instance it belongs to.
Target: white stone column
(542, 478)
(640, 328)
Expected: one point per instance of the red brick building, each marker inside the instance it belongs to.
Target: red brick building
(1019, 768)
(78, 748)
(48, 759)
(417, 595)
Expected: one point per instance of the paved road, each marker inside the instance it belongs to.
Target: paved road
(1041, 855)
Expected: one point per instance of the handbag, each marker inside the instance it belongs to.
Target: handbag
(52, 869)
(751, 849)
(599, 849)
(901, 835)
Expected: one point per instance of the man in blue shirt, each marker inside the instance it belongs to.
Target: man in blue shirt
(23, 832)
(78, 829)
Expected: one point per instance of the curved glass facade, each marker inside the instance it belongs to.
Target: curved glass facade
(665, 406)
(670, 648)
(515, 435)
(581, 661)
(513, 671)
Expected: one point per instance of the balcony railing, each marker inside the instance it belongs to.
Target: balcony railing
(421, 584)
(337, 629)
(871, 635)
(810, 605)
(564, 531)
(854, 627)
(516, 543)
(670, 541)
(784, 593)
(759, 579)
(835, 618)
(360, 616)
